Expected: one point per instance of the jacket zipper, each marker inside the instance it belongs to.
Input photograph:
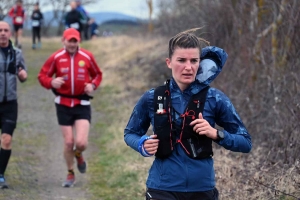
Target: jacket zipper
(72, 77)
(187, 174)
(5, 77)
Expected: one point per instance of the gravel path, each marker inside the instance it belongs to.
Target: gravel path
(37, 168)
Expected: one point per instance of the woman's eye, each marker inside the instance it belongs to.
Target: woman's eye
(194, 61)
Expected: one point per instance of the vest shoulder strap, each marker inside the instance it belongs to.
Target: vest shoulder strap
(161, 99)
(198, 101)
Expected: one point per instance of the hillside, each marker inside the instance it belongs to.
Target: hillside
(130, 66)
(139, 64)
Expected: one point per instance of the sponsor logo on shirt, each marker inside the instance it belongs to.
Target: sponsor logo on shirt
(81, 63)
(80, 77)
(64, 70)
(63, 60)
(66, 77)
(81, 70)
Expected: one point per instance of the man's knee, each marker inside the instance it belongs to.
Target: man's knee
(6, 141)
(69, 145)
(80, 145)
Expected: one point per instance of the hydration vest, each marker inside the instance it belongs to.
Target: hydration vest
(169, 134)
(16, 10)
(12, 67)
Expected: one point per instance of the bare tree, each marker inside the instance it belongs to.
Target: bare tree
(262, 40)
(6, 5)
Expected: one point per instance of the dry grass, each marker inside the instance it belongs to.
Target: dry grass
(129, 65)
(123, 83)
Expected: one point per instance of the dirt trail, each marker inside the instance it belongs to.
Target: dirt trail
(37, 168)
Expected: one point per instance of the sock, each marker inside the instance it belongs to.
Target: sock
(4, 158)
(71, 171)
(77, 153)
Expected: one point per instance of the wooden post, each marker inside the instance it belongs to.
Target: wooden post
(150, 24)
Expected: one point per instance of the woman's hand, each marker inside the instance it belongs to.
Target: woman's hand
(202, 127)
(151, 145)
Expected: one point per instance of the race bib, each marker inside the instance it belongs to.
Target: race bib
(74, 25)
(35, 23)
(19, 19)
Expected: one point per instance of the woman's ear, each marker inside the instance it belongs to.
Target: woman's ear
(168, 62)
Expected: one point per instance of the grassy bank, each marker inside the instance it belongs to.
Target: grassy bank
(117, 171)
(130, 66)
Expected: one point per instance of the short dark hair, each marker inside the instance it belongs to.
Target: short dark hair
(186, 39)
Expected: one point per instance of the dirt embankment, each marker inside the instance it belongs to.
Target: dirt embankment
(131, 65)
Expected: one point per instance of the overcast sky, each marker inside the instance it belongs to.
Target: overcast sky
(137, 8)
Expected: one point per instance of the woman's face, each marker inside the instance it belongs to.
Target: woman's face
(184, 65)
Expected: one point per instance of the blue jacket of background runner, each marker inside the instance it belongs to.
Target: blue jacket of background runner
(179, 172)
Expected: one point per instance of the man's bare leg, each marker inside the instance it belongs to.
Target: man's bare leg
(67, 132)
(82, 127)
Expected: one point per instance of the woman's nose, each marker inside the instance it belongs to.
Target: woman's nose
(188, 65)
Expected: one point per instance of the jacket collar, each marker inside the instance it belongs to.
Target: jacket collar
(194, 88)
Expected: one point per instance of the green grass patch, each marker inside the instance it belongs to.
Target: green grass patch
(34, 59)
(111, 177)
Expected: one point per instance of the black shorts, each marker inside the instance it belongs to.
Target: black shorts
(67, 116)
(160, 194)
(8, 116)
(17, 27)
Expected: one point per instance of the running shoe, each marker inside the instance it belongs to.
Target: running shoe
(81, 164)
(3, 184)
(39, 45)
(70, 181)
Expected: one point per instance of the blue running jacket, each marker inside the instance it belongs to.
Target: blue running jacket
(179, 172)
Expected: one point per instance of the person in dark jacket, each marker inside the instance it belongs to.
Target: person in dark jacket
(12, 65)
(94, 32)
(36, 23)
(73, 18)
(183, 167)
(84, 19)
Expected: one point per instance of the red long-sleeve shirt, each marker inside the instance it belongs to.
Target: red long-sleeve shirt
(18, 14)
(77, 70)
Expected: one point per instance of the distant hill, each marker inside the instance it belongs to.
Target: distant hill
(100, 18)
(121, 22)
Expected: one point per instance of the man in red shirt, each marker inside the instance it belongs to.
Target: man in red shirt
(17, 13)
(77, 75)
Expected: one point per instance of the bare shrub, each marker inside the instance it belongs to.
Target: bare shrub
(261, 76)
